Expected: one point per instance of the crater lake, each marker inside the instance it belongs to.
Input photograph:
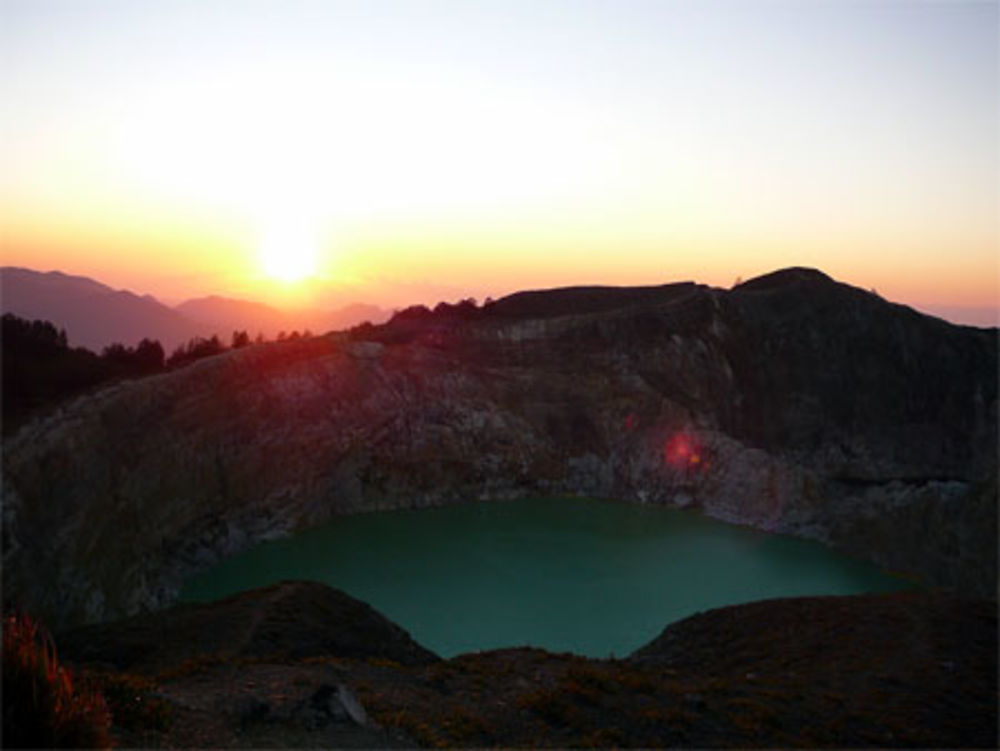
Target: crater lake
(596, 578)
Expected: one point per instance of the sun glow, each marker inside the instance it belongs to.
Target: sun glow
(289, 253)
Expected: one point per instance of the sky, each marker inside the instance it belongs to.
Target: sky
(402, 152)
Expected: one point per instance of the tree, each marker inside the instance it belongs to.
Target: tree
(37, 337)
(412, 313)
(195, 349)
(466, 308)
(117, 353)
(240, 339)
(39, 369)
(149, 356)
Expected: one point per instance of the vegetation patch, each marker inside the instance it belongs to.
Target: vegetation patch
(44, 704)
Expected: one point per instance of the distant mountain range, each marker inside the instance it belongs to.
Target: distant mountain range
(94, 315)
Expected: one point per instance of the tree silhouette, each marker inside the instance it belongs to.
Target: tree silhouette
(195, 349)
(149, 356)
(145, 358)
(40, 369)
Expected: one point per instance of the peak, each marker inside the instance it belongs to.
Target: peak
(793, 275)
(590, 299)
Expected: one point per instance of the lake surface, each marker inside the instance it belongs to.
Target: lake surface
(592, 577)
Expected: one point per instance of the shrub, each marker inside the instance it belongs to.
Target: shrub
(41, 706)
(133, 703)
(550, 706)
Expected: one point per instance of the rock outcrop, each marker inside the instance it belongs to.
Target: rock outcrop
(791, 403)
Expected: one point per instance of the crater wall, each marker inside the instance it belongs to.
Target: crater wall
(791, 403)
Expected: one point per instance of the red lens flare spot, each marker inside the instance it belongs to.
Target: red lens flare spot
(678, 449)
(684, 451)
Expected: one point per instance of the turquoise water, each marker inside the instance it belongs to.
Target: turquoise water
(592, 577)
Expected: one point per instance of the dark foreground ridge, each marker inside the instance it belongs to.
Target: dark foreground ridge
(299, 664)
(295, 619)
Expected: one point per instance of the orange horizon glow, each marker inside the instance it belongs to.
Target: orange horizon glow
(203, 260)
(637, 144)
(952, 292)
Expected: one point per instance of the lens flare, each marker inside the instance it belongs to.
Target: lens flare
(683, 451)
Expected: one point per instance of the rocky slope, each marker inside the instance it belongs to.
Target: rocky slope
(791, 403)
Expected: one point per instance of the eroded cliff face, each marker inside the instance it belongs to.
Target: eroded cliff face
(791, 403)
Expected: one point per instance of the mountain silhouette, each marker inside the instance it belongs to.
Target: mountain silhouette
(95, 315)
(224, 315)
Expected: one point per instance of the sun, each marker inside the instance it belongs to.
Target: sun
(289, 253)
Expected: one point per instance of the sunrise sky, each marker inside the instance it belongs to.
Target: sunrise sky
(399, 152)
